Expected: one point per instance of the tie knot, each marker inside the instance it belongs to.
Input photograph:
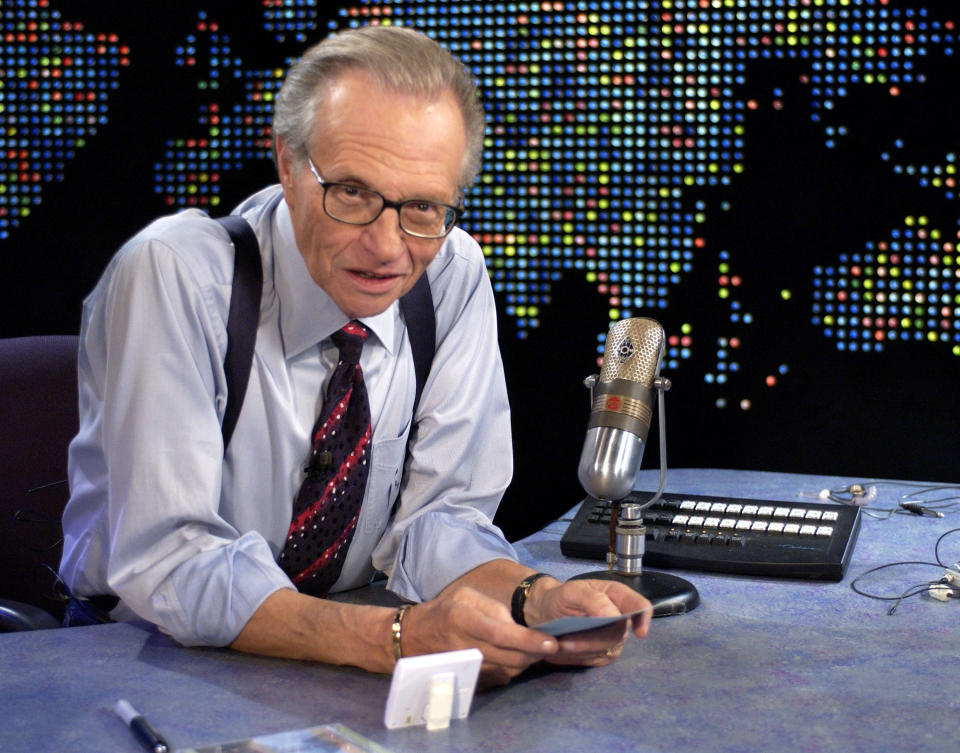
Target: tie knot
(349, 340)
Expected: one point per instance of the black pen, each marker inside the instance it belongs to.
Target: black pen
(152, 739)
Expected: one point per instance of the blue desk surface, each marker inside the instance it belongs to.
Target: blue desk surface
(760, 665)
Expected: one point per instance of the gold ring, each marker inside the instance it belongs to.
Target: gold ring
(611, 653)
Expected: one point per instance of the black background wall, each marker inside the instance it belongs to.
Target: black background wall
(782, 165)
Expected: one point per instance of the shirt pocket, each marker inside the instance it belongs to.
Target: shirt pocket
(383, 484)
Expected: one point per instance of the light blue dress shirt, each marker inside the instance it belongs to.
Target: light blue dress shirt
(186, 537)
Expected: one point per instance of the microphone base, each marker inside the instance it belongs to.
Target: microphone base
(669, 594)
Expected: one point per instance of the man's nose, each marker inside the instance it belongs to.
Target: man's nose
(385, 239)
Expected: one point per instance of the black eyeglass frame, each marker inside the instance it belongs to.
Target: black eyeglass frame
(455, 213)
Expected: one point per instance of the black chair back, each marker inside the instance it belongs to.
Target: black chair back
(38, 418)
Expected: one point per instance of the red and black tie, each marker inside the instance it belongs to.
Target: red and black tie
(327, 506)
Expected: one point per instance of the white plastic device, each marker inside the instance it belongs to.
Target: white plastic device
(432, 689)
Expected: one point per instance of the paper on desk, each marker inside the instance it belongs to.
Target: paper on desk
(567, 625)
(328, 738)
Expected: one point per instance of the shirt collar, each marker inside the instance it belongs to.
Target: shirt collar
(307, 314)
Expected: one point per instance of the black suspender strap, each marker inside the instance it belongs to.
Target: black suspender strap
(421, 322)
(243, 318)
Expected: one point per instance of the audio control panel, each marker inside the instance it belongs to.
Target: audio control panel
(810, 540)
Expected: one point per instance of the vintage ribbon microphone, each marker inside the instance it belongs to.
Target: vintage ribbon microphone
(621, 409)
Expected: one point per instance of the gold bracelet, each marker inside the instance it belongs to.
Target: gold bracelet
(396, 628)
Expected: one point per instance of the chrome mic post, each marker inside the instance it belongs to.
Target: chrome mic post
(630, 536)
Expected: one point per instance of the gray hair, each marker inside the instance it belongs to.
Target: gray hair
(399, 60)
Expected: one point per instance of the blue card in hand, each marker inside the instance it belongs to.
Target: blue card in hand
(567, 625)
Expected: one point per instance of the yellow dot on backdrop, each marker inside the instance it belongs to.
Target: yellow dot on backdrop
(786, 295)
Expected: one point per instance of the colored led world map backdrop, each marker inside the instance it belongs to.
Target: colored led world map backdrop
(773, 181)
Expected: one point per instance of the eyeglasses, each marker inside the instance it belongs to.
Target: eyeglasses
(354, 205)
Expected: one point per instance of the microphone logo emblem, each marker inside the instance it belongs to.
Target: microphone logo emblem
(613, 403)
(625, 349)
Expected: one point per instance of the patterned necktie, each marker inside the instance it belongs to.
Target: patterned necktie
(327, 506)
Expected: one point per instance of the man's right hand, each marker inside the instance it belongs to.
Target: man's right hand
(296, 626)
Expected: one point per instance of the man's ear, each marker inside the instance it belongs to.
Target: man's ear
(285, 168)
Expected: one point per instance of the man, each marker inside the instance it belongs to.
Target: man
(377, 133)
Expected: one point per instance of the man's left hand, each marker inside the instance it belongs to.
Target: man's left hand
(549, 600)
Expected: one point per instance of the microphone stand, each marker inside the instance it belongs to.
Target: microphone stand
(669, 594)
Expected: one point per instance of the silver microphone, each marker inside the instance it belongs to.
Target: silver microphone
(622, 407)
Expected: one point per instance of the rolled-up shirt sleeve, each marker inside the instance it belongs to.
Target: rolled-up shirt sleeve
(156, 381)
(460, 460)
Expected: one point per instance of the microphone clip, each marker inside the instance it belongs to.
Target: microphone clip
(320, 465)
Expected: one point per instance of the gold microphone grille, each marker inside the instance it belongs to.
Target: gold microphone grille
(633, 351)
